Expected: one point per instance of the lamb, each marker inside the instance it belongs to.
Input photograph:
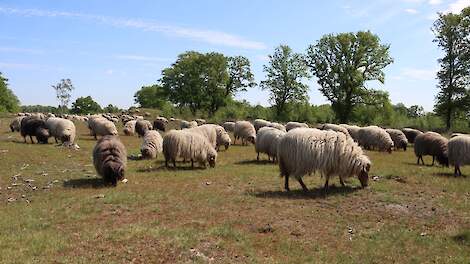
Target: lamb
(432, 143)
(185, 124)
(308, 150)
(353, 131)
(334, 127)
(229, 126)
(399, 139)
(141, 126)
(159, 124)
(459, 152)
(33, 126)
(246, 131)
(292, 125)
(129, 128)
(411, 134)
(189, 146)
(62, 129)
(374, 137)
(152, 144)
(15, 124)
(110, 159)
(267, 140)
(100, 126)
(277, 126)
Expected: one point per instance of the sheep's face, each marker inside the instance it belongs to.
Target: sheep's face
(211, 159)
(114, 172)
(252, 139)
(443, 160)
(364, 176)
(404, 146)
(42, 135)
(227, 145)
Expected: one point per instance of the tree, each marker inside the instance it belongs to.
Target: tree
(153, 96)
(63, 92)
(284, 76)
(452, 35)
(240, 75)
(85, 105)
(111, 109)
(8, 100)
(343, 63)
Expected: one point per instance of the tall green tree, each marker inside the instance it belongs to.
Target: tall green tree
(452, 35)
(240, 75)
(343, 63)
(8, 100)
(153, 96)
(85, 105)
(63, 91)
(284, 75)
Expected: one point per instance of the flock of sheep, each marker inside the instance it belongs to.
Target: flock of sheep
(329, 149)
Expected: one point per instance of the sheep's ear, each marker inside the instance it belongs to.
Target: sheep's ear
(367, 168)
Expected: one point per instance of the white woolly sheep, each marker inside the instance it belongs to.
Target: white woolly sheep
(411, 134)
(374, 137)
(152, 144)
(353, 131)
(129, 128)
(15, 124)
(334, 127)
(433, 144)
(100, 126)
(141, 126)
(398, 137)
(308, 150)
(223, 138)
(292, 125)
(229, 126)
(110, 159)
(259, 123)
(459, 152)
(189, 146)
(200, 121)
(62, 129)
(245, 131)
(267, 141)
(277, 126)
(185, 124)
(208, 131)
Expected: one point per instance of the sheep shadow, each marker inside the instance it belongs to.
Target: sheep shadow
(256, 162)
(171, 168)
(462, 238)
(448, 175)
(94, 183)
(315, 193)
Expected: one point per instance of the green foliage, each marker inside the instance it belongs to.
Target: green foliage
(63, 92)
(85, 105)
(240, 75)
(343, 63)
(40, 109)
(452, 35)
(153, 96)
(111, 109)
(8, 100)
(284, 75)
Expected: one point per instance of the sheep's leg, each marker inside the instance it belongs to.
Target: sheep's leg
(32, 141)
(166, 163)
(192, 164)
(257, 157)
(25, 140)
(422, 160)
(342, 182)
(326, 183)
(56, 140)
(286, 183)
(456, 171)
(304, 187)
(433, 157)
(174, 163)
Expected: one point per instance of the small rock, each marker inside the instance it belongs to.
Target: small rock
(23, 196)
(375, 178)
(9, 188)
(99, 196)
(125, 181)
(29, 180)
(208, 183)
(11, 199)
(423, 234)
(55, 181)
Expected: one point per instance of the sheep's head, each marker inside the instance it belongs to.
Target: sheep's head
(443, 159)
(146, 153)
(252, 139)
(114, 172)
(390, 148)
(404, 146)
(212, 158)
(364, 175)
(42, 135)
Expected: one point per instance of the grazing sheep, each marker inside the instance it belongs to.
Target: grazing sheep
(411, 134)
(152, 144)
(267, 140)
(15, 124)
(259, 123)
(208, 131)
(292, 125)
(334, 127)
(33, 126)
(189, 146)
(100, 126)
(277, 126)
(223, 138)
(374, 137)
(141, 126)
(457, 134)
(200, 121)
(308, 150)
(110, 159)
(459, 152)
(399, 139)
(161, 118)
(62, 129)
(185, 124)
(129, 128)
(432, 143)
(229, 126)
(159, 124)
(353, 131)
(246, 131)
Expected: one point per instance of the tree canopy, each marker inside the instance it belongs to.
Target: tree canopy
(153, 96)
(8, 100)
(85, 105)
(63, 92)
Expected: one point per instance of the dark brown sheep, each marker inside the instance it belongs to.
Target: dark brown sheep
(159, 125)
(33, 126)
(110, 159)
(433, 144)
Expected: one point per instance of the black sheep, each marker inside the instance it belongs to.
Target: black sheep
(33, 126)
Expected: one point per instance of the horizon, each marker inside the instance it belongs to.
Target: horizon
(118, 50)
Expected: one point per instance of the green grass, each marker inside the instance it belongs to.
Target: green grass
(236, 212)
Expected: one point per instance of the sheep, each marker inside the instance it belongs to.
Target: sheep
(110, 159)
(432, 143)
(308, 150)
(229, 126)
(259, 123)
(277, 126)
(292, 125)
(152, 144)
(208, 131)
(457, 134)
(353, 131)
(100, 126)
(141, 126)
(335, 127)
(267, 140)
(129, 128)
(223, 138)
(200, 121)
(374, 137)
(33, 126)
(159, 124)
(411, 134)
(161, 118)
(62, 129)
(15, 124)
(246, 131)
(189, 146)
(459, 152)
(399, 139)
(185, 124)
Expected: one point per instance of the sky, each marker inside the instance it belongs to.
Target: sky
(111, 48)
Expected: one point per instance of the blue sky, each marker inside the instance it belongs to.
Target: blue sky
(110, 48)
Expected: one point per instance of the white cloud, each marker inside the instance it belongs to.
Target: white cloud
(418, 74)
(457, 6)
(141, 58)
(435, 2)
(202, 35)
(411, 11)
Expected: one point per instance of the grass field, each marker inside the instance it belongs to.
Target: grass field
(55, 210)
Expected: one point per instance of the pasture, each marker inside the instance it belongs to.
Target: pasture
(56, 210)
